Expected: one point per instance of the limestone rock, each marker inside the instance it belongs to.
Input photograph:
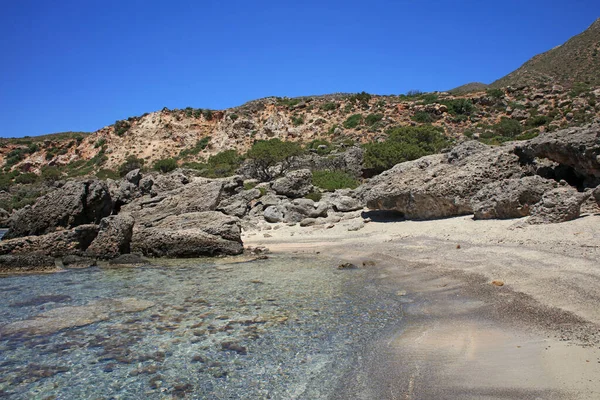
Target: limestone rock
(76, 203)
(557, 205)
(189, 235)
(510, 198)
(57, 244)
(294, 184)
(30, 262)
(114, 237)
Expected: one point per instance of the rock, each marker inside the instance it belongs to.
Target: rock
(73, 261)
(232, 346)
(341, 202)
(346, 266)
(134, 177)
(520, 115)
(57, 244)
(510, 198)
(146, 184)
(30, 262)
(273, 214)
(308, 222)
(114, 237)
(4, 217)
(432, 187)
(596, 194)
(122, 192)
(294, 184)
(76, 203)
(199, 195)
(577, 148)
(129, 260)
(61, 318)
(557, 205)
(497, 283)
(189, 235)
(167, 182)
(356, 225)
(239, 204)
(464, 150)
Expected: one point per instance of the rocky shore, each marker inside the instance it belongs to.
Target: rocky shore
(547, 179)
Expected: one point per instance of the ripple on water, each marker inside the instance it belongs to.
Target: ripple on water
(280, 328)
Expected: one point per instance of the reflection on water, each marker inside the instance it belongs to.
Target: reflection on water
(278, 328)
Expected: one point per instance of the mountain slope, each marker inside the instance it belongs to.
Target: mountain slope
(576, 61)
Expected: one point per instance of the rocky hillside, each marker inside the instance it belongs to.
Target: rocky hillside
(192, 135)
(577, 62)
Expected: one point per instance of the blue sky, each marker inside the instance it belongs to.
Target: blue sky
(80, 65)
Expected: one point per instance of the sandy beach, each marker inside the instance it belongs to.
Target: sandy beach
(535, 337)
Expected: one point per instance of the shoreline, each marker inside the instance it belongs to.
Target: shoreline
(536, 336)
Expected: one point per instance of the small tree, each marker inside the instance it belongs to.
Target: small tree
(166, 165)
(266, 154)
(131, 163)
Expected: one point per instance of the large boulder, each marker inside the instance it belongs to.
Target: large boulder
(73, 241)
(294, 184)
(199, 195)
(189, 235)
(557, 205)
(578, 148)
(239, 204)
(342, 201)
(596, 194)
(4, 218)
(23, 263)
(114, 237)
(510, 198)
(293, 211)
(75, 203)
(437, 186)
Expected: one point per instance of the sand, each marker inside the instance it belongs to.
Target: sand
(535, 337)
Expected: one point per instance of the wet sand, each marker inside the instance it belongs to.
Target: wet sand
(535, 337)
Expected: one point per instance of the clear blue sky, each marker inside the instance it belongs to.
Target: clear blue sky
(82, 64)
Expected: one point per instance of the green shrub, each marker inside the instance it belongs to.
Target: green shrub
(107, 174)
(329, 106)
(314, 196)
(317, 144)
(579, 88)
(495, 93)
(265, 154)
(26, 178)
(200, 145)
(332, 180)
(297, 120)
(404, 144)
(165, 165)
(353, 121)
(233, 117)
(99, 143)
(208, 115)
(537, 121)
(51, 174)
(220, 165)
(372, 119)
(249, 185)
(362, 97)
(508, 128)
(15, 156)
(430, 98)
(422, 117)
(130, 163)
(459, 106)
(121, 127)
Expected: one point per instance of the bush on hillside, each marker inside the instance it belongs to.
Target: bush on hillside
(266, 154)
(332, 180)
(353, 121)
(51, 174)
(422, 117)
(26, 178)
(404, 143)
(130, 163)
(165, 165)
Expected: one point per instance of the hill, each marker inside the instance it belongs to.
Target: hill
(576, 62)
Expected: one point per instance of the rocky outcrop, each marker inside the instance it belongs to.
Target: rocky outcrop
(557, 205)
(189, 235)
(239, 204)
(23, 263)
(114, 237)
(439, 186)
(4, 218)
(57, 244)
(293, 211)
(342, 201)
(510, 198)
(75, 203)
(294, 184)
(596, 194)
(578, 148)
(198, 195)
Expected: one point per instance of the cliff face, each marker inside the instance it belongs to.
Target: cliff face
(193, 134)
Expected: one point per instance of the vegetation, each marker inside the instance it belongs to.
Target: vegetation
(297, 120)
(495, 93)
(165, 165)
(99, 143)
(200, 145)
(107, 174)
(332, 180)
(131, 163)
(26, 178)
(121, 127)
(51, 174)
(372, 119)
(404, 144)
(422, 117)
(329, 106)
(220, 165)
(353, 121)
(319, 146)
(265, 154)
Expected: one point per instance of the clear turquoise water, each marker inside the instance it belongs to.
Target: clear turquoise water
(298, 323)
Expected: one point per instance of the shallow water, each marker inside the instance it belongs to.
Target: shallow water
(281, 328)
